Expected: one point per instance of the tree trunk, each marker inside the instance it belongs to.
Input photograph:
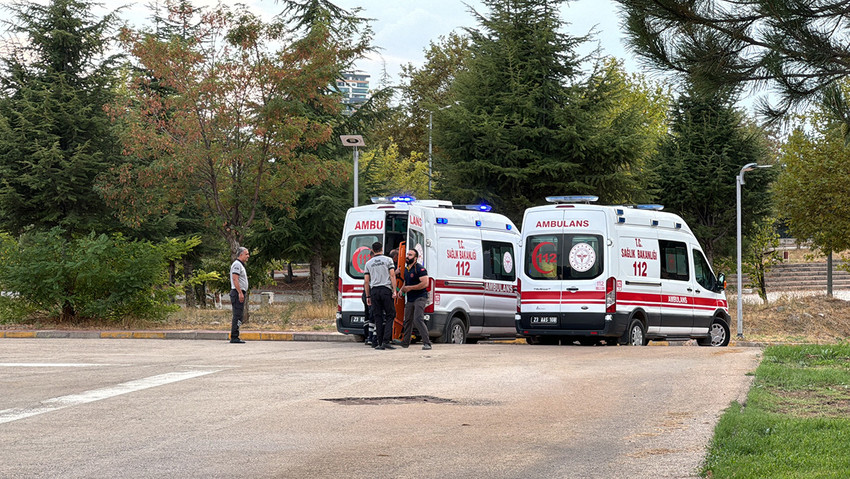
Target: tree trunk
(68, 314)
(188, 289)
(288, 278)
(172, 273)
(317, 278)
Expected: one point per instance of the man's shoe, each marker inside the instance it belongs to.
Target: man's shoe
(380, 348)
(405, 346)
(237, 341)
(397, 341)
(368, 343)
(426, 347)
(388, 346)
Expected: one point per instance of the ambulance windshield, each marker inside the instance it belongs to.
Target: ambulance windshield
(563, 257)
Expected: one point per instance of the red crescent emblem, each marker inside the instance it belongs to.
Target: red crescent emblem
(358, 259)
(535, 257)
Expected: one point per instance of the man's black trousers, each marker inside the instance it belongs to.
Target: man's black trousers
(383, 313)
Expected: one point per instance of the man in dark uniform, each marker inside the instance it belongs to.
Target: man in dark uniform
(416, 291)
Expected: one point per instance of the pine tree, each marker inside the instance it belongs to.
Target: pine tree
(55, 138)
(696, 166)
(526, 123)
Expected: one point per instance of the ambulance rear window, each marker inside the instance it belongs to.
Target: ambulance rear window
(358, 253)
(563, 257)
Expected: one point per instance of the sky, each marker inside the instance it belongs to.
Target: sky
(404, 28)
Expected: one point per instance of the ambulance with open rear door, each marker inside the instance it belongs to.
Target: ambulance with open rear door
(469, 252)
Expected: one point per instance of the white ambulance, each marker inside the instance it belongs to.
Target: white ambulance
(470, 256)
(622, 274)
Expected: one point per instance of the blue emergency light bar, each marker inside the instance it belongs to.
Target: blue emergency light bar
(393, 199)
(481, 207)
(572, 199)
(650, 207)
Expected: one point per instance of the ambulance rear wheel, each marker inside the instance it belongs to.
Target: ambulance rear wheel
(636, 334)
(456, 332)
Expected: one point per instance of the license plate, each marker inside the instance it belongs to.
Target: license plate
(544, 320)
(358, 319)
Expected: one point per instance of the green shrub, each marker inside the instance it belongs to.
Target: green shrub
(94, 276)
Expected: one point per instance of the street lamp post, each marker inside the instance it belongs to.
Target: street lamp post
(354, 141)
(739, 180)
(430, 131)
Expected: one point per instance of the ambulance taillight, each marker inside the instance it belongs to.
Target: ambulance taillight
(518, 295)
(339, 294)
(429, 306)
(611, 295)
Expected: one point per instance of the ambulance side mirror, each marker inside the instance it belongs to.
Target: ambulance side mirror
(721, 282)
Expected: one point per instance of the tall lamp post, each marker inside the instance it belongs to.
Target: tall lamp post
(354, 141)
(430, 130)
(739, 180)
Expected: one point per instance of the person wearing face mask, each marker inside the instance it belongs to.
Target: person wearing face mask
(415, 290)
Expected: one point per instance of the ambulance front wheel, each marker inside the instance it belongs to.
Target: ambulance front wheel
(456, 331)
(719, 334)
(636, 334)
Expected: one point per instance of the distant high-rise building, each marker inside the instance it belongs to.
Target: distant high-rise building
(354, 88)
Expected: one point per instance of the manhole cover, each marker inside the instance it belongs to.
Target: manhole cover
(389, 400)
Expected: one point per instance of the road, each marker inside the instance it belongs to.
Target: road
(155, 408)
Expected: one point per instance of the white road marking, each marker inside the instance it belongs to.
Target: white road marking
(51, 365)
(62, 402)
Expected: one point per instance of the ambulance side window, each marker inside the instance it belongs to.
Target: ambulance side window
(416, 240)
(674, 260)
(499, 261)
(702, 272)
(358, 253)
(541, 256)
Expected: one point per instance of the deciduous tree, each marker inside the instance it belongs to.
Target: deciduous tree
(239, 130)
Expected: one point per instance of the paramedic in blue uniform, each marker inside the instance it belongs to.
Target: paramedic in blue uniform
(238, 291)
(380, 293)
(416, 291)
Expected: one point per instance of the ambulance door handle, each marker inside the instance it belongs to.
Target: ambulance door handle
(572, 289)
(690, 290)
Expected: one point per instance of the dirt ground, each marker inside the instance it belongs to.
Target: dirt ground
(810, 319)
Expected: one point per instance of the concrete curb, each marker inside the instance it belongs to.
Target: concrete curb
(261, 336)
(190, 334)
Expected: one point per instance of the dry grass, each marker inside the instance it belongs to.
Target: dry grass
(293, 316)
(808, 319)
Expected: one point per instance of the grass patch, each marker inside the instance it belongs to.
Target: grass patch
(796, 422)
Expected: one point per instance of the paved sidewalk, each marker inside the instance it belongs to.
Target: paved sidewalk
(181, 334)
